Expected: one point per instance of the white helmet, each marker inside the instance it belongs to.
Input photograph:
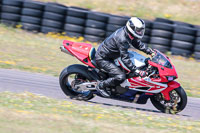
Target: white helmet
(136, 27)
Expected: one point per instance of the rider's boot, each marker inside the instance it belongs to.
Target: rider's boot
(101, 89)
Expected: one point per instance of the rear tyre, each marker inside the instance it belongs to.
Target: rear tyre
(75, 77)
(177, 103)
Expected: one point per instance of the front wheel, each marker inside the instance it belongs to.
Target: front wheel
(176, 104)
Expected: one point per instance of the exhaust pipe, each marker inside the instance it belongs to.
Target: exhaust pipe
(63, 49)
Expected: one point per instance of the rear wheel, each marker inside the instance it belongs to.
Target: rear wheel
(68, 81)
(176, 104)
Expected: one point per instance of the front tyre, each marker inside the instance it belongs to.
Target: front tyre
(176, 104)
(69, 78)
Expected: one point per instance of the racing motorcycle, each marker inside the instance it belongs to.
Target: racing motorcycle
(79, 81)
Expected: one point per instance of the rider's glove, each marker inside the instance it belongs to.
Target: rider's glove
(151, 52)
(141, 73)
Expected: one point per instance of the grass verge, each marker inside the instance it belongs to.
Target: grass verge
(27, 112)
(40, 53)
(181, 10)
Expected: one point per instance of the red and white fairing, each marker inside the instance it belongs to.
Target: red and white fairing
(137, 83)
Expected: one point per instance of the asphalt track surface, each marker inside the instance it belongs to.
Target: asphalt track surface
(19, 81)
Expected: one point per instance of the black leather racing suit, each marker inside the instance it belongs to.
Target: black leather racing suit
(114, 46)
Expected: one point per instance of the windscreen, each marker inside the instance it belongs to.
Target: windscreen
(161, 60)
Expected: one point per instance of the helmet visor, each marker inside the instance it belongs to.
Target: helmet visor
(139, 31)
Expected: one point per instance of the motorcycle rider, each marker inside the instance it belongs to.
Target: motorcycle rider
(117, 45)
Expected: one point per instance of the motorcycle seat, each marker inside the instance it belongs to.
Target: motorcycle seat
(92, 56)
(92, 53)
(94, 63)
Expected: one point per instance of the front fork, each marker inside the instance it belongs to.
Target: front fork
(171, 86)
